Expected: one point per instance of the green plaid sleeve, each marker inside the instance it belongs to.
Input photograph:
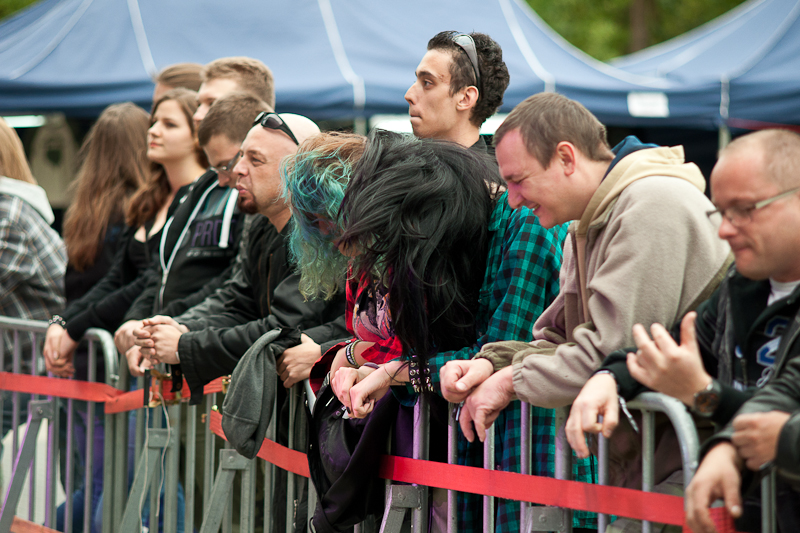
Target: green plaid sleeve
(521, 280)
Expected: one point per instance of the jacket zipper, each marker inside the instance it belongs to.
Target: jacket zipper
(165, 268)
(269, 280)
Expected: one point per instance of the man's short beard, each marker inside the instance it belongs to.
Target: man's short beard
(248, 207)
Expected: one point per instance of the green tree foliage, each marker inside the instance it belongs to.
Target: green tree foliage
(605, 29)
(9, 7)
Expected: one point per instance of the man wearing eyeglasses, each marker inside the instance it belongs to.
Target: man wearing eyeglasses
(221, 77)
(717, 358)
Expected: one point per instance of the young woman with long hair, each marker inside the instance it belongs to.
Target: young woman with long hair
(410, 217)
(405, 228)
(114, 166)
(175, 163)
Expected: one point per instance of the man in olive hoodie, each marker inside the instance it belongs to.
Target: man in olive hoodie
(640, 250)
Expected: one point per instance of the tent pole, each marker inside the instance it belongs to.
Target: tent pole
(724, 136)
(360, 126)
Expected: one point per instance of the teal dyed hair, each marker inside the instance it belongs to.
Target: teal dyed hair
(314, 181)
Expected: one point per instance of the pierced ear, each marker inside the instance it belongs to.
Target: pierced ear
(469, 98)
(566, 154)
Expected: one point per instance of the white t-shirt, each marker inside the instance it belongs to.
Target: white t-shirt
(780, 289)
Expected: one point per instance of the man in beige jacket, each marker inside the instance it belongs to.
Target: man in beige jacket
(640, 250)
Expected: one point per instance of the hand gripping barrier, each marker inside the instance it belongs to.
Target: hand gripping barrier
(650, 403)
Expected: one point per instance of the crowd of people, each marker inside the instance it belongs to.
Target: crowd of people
(545, 267)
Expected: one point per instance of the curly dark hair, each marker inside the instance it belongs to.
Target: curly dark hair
(494, 73)
(416, 214)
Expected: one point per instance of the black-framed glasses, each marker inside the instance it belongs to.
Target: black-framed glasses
(739, 216)
(273, 121)
(468, 45)
(227, 167)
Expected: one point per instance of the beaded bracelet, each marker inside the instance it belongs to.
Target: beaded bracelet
(419, 376)
(57, 319)
(349, 355)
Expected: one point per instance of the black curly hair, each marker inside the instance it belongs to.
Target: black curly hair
(417, 213)
(494, 73)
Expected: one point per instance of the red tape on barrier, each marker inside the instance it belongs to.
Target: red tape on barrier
(20, 525)
(535, 489)
(722, 520)
(115, 400)
(63, 388)
(272, 452)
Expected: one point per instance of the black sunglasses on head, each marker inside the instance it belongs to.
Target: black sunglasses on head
(468, 45)
(274, 122)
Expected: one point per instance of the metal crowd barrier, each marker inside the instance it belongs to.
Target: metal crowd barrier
(543, 518)
(532, 518)
(650, 403)
(41, 407)
(157, 452)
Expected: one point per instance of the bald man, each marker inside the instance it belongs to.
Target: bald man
(209, 347)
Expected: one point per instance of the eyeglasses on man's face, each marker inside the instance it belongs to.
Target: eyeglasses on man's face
(273, 121)
(226, 168)
(738, 216)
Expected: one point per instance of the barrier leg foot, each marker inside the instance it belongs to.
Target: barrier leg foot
(229, 462)
(156, 441)
(401, 498)
(37, 411)
(548, 519)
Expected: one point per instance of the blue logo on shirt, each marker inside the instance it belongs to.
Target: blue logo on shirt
(775, 328)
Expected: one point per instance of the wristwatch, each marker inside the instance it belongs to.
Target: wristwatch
(706, 401)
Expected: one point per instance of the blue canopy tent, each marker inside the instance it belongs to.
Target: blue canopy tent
(745, 64)
(332, 59)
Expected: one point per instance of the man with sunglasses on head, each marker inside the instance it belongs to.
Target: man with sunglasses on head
(263, 297)
(460, 83)
(716, 358)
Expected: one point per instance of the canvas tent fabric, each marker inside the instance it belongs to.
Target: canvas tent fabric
(745, 64)
(332, 59)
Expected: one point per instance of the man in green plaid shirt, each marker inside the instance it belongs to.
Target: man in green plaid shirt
(460, 83)
(521, 281)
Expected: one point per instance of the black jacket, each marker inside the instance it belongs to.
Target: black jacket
(193, 250)
(735, 319)
(781, 394)
(267, 298)
(77, 283)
